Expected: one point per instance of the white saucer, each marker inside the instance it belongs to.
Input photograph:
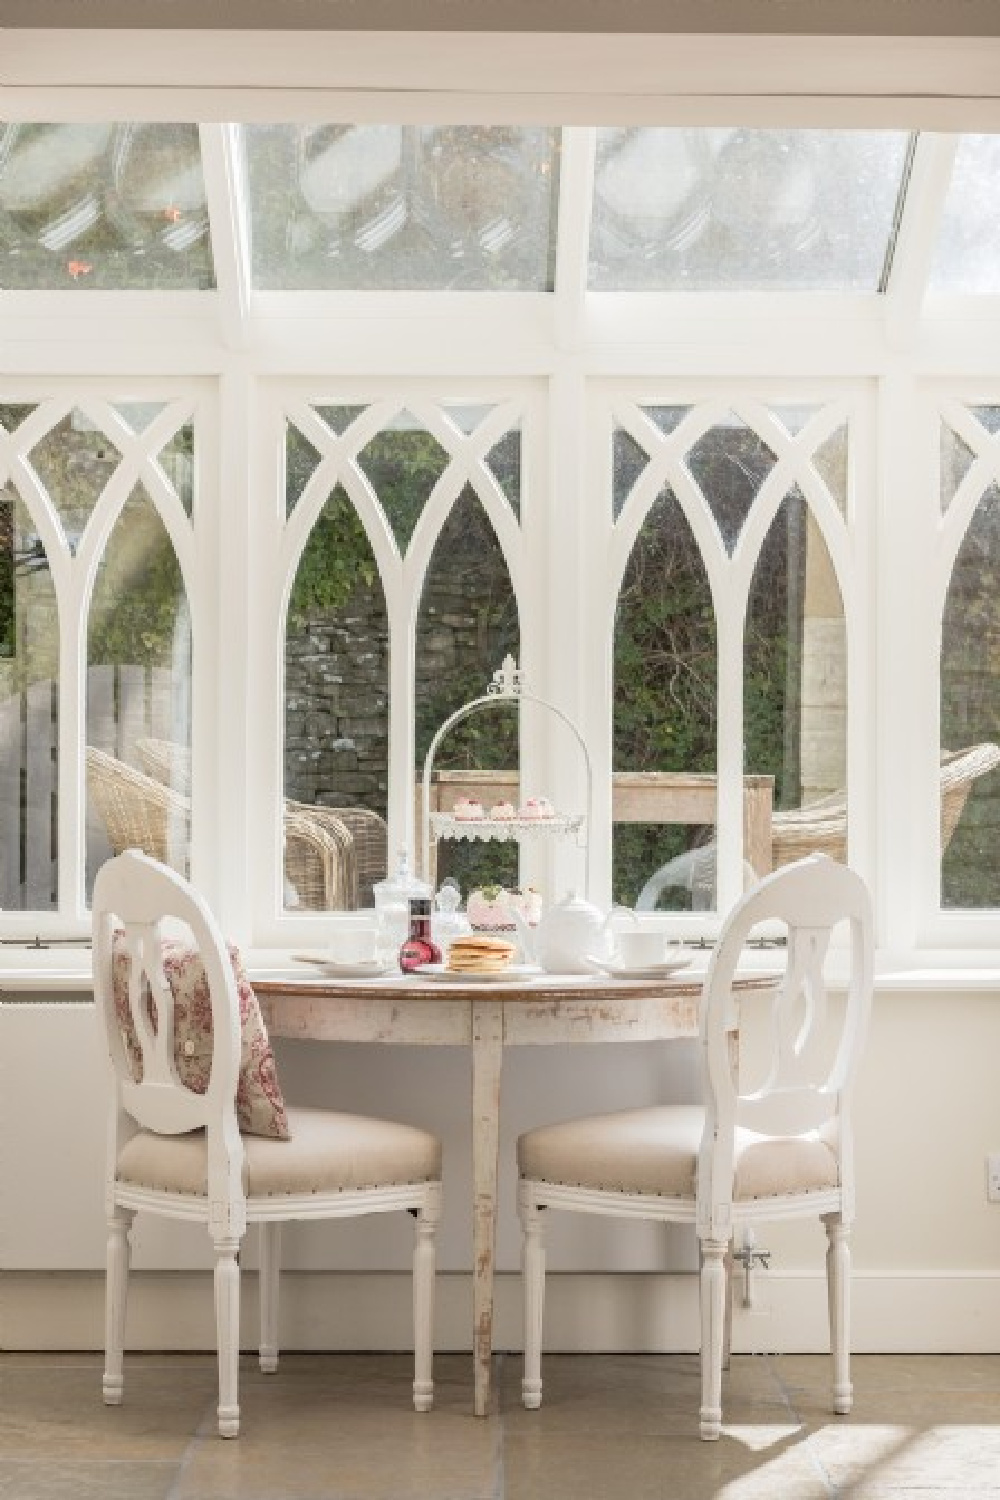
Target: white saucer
(640, 971)
(369, 968)
(510, 975)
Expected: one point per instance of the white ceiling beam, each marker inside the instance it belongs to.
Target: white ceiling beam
(945, 83)
(917, 237)
(576, 196)
(228, 215)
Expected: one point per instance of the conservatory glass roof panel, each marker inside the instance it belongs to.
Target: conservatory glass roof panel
(108, 206)
(402, 207)
(968, 249)
(744, 210)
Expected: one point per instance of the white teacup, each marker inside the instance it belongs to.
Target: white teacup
(639, 950)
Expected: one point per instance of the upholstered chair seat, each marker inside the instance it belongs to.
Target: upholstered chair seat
(327, 1152)
(655, 1151)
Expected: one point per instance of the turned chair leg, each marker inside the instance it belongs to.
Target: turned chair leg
(424, 1254)
(533, 1283)
(270, 1280)
(713, 1319)
(838, 1288)
(119, 1255)
(227, 1329)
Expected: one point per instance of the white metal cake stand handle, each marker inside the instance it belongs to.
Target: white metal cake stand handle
(507, 687)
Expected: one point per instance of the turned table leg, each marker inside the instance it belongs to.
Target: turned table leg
(487, 1052)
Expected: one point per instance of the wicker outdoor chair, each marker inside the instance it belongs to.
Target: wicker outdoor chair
(142, 812)
(167, 762)
(171, 764)
(819, 828)
(369, 832)
(139, 812)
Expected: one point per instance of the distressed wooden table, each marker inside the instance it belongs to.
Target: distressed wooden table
(546, 1009)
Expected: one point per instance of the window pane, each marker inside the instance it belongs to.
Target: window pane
(138, 695)
(957, 459)
(29, 725)
(665, 720)
(74, 461)
(176, 459)
(467, 624)
(627, 463)
(402, 206)
(403, 463)
(970, 787)
(301, 462)
(336, 717)
(795, 686)
(729, 464)
(103, 206)
(733, 209)
(504, 463)
(968, 249)
(830, 462)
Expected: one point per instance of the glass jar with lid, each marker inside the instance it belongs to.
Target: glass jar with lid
(392, 905)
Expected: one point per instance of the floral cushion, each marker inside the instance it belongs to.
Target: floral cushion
(260, 1107)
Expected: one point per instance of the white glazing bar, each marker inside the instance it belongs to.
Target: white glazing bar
(861, 598)
(906, 664)
(917, 237)
(573, 675)
(576, 196)
(229, 218)
(256, 695)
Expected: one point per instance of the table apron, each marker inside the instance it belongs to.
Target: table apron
(620, 1019)
(330, 1018)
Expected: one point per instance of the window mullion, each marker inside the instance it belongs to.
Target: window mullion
(228, 218)
(916, 241)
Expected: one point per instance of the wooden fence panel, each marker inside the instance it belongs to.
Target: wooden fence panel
(101, 728)
(132, 721)
(11, 743)
(41, 745)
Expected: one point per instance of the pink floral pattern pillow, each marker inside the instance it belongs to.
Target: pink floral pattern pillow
(260, 1107)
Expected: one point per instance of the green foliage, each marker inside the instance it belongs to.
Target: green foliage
(403, 465)
(336, 560)
(139, 594)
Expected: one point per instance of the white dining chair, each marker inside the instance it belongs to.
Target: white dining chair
(772, 1140)
(179, 1152)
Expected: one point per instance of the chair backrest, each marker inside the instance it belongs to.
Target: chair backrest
(959, 769)
(166, 762)
(803, 1075)
(134, 894)
(138, 812)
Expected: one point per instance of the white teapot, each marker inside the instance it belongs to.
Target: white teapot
(568, 936)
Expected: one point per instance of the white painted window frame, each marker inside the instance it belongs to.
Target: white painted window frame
(239, 354)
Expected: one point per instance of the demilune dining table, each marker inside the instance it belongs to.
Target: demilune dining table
(524, 1011)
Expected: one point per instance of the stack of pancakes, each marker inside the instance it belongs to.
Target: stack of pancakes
(477, 954)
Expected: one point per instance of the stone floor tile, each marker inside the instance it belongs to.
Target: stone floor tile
(909, 1456)
(568, 1466)
(85, 1479)
(58, 1410)
(612, 1427)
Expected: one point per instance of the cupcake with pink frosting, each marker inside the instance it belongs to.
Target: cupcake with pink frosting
(467, 809)
(537, 807)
